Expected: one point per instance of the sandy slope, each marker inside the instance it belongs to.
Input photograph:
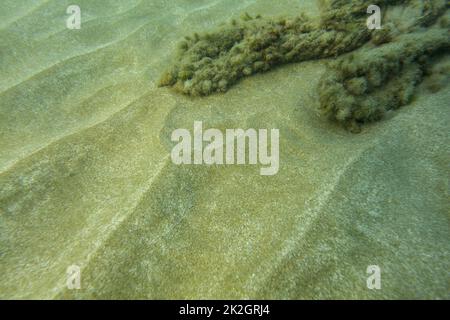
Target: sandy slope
(86, 177)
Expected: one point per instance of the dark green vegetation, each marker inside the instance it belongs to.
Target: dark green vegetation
(380, 76)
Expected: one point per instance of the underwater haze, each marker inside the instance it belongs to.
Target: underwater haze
(87, 178)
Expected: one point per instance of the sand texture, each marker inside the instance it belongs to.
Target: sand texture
(86, 176)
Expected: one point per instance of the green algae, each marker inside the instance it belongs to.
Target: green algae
(213, 61)
(364, 86)
(356, 89)
(361, 87)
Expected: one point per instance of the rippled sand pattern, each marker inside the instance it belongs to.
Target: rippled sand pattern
(86, 176)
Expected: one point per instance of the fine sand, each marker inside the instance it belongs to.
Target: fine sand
(86, 177)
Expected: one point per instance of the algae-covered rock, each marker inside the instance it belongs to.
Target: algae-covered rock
(358, 88)
(213, 61)
(210, 63)
(363, 86)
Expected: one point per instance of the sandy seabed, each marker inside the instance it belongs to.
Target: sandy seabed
(86, 177)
